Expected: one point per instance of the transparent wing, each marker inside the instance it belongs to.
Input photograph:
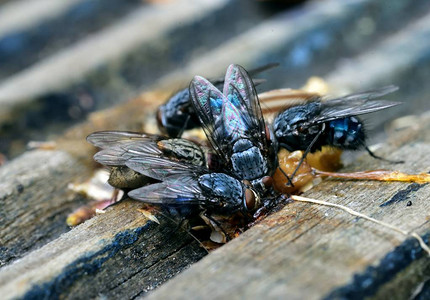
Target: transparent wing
(120, 153)
(338, 112)
(180, 190)
(355, 104)
(208, 101)
(106, 139)
(240, 91)
(230, 115)
(162, 168)
(364, 96)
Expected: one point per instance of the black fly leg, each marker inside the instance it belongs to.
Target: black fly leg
(286, 176)
(381, 158)
(308, 150)
(185, 126)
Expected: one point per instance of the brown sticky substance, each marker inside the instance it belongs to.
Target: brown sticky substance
(328, 159)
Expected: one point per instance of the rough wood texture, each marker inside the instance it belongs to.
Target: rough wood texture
(35, 200)
(304, 250)
(117, 254)
(33, 188)
(307, 251)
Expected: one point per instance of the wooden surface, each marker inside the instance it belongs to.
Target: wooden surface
(117, 254)
(303, 250)
(307, 251)
(34, 188)
(34, 207)
(121, 244)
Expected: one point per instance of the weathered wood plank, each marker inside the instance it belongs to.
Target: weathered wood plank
(280, 255)
(74, 63)
(16, 15)
(46, 223)
(35, 200)
(316, 35)
(32, 30)
(33, 188)
(307, 252)
(118, 254)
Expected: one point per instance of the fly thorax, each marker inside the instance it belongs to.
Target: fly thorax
(183, 150)
(291, 127)
(247, 161)
(170, 116)
(225, 190)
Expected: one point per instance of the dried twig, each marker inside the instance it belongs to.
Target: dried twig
(360, 215)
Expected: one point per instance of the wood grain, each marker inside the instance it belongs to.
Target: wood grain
(116, 254)
(307, 251)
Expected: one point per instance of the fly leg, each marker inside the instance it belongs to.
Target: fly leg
(185, 126)
(381, 158)
(307, 152)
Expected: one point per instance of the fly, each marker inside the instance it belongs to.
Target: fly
(177, 114)
(118, 146)
(183, 180)
(334, 122)
(234, 125)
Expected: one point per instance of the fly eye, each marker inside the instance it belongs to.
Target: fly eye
(249, 199)
(252, 200)
(267, 181)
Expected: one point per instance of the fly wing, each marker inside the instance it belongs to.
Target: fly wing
(181, 190)
(240, 91)
(106, 139)
(162, 168)
(208, 103)
(231, 115)
(220, 81)
(121, 152)
(364, 96)
(355, 104)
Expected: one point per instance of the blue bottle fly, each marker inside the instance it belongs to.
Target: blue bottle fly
(333, 122)
(180, 177)
(177, 114)
(234, 125)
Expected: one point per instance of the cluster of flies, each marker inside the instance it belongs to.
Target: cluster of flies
(234, 173)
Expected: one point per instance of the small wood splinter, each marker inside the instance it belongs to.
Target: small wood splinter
(360, 215)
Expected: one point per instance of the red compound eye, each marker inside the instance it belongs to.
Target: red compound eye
(249, 199)
(267, 181)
